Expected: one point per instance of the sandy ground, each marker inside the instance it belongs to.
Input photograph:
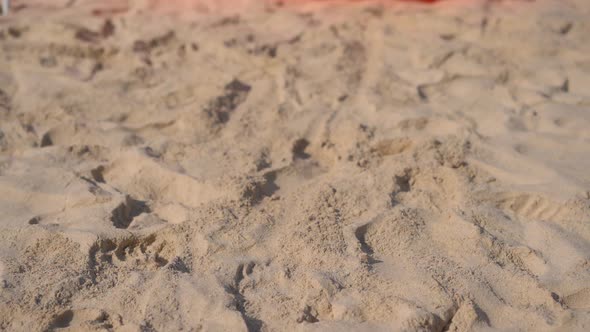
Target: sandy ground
(360, 167)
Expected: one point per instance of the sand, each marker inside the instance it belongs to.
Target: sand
(321, 167)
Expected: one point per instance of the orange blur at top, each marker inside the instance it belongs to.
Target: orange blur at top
(185, 2)
(180, 3)
(292, 1)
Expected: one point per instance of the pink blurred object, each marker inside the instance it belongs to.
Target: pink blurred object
(114, 7)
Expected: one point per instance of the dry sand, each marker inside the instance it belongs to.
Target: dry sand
(360, 167)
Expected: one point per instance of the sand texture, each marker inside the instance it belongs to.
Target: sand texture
(313, 168)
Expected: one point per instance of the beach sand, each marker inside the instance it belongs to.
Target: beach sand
(313, 167)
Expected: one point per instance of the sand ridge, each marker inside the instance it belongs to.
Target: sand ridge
(359, 167)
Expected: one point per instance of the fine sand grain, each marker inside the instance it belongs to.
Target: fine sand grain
(314, 167)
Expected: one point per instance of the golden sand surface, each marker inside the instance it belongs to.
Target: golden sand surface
(315, 167)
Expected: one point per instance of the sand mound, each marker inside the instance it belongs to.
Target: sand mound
(361, 167)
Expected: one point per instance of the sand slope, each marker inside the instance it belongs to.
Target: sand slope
(357, 168)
